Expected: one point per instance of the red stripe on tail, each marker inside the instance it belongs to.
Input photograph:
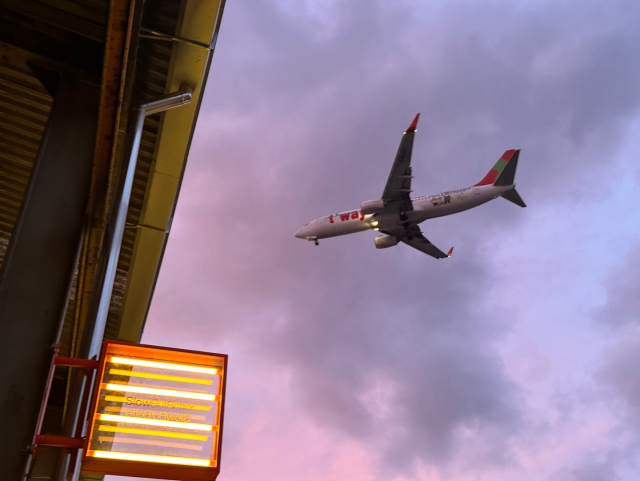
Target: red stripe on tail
(489, 179)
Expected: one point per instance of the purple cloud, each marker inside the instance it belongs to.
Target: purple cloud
(395, 359)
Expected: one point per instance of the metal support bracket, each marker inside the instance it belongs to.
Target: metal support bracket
(59, 441)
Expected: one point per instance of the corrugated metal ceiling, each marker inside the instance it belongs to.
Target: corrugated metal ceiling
(24, 108)
(25, 105)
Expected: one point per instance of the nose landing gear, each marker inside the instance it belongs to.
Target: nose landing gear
(316, 242)
(314, 239)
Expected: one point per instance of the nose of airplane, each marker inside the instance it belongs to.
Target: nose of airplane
(302, 233)
(309, 230)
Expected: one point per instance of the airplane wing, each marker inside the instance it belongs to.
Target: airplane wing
(396, 192)
(420, 242)
(413, 237)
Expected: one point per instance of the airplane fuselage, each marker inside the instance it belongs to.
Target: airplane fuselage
(426, 207)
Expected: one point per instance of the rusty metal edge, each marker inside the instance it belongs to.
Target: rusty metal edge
(120, 47)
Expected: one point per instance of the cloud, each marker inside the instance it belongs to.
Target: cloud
(390, 352)
(622, 307)
(616, 388)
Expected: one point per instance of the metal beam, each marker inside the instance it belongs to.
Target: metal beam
(122, 22)
(39, 265)
(99, 308)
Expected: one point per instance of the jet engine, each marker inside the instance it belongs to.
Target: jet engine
(372, 206)
(384, 241)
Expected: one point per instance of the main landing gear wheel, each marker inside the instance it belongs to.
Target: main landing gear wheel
(409, 233)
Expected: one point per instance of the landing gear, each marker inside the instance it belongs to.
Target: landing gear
(316, 242)
(409, 233)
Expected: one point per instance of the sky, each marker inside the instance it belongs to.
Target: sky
(518, 357)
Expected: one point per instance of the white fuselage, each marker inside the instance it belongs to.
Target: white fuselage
(428, 207)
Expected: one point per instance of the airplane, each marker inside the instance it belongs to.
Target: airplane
(396, 215)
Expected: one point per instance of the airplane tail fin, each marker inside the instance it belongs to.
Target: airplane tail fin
(513, 196)
(504, 171)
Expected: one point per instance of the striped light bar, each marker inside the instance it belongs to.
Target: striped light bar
(151, 432)
(155, 422)
(160, 392)
(163, 365)
(150, 458)
(162, 377)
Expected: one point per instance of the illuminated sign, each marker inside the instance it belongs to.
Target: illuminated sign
(156, 413)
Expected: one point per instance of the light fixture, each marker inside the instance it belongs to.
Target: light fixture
(163, 377)
(162, 365)
(150, 458)
(151, 432)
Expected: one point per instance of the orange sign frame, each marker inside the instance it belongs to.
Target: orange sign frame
(156, 413)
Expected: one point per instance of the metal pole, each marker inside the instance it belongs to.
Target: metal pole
(99, 309)
(95, 326)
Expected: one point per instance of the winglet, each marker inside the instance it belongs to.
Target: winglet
(450, 252)
(414, 124)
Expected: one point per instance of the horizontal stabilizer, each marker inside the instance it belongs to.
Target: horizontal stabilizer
(513, 196)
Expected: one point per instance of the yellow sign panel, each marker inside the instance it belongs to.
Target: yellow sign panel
(156, 413)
